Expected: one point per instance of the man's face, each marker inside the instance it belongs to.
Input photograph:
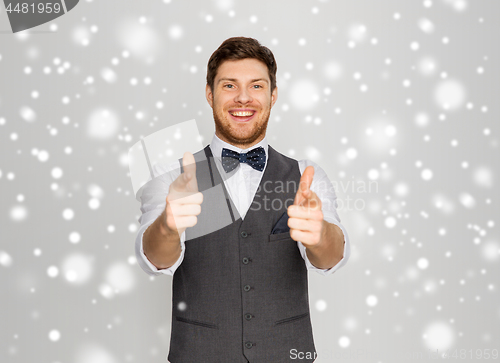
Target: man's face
(241, 101)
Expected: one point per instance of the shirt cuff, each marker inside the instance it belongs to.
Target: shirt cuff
(147, 266)
(342, 262)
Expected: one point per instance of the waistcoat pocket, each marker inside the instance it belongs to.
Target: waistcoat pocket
(195, 322)
(290, 319)
(279, 236)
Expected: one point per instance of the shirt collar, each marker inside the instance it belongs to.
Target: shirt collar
(217, 145)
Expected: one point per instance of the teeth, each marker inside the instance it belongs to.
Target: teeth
(242, 113)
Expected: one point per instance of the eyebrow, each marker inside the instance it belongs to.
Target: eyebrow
(235, 80)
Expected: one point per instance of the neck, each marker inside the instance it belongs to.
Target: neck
(242, 144)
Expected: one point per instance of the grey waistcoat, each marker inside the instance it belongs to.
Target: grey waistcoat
(240, 294)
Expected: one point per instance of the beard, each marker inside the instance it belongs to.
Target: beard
(245, 136)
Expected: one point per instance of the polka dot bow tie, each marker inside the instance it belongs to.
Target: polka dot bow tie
(256, 158)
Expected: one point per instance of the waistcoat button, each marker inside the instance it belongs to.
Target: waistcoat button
(246, 260)
(249, 345)
(248, 316)
(247, 288)
(244, 234)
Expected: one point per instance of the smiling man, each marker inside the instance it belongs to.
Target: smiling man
(240, 293)
(242, 105)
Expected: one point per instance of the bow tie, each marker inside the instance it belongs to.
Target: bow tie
(256, 158)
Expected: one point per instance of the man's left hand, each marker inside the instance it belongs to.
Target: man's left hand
(305, 216)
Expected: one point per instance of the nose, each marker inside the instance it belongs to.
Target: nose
(243, 96)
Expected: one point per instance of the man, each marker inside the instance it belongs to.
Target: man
(240, 293)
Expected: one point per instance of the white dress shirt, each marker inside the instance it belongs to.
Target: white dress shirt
(242, 187)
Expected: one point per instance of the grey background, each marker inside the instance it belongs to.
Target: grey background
(424, 269)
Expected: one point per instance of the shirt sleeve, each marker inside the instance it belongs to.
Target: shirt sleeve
(153, 202)
(323, 188)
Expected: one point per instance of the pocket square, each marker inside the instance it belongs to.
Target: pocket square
(282, 225)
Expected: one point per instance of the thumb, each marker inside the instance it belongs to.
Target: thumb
(189, 175)
(303, 191)
(188, 165)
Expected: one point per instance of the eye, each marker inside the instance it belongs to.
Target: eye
(228, 85)
(257, 85)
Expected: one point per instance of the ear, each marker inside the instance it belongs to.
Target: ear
(274, 96)
(209, 95)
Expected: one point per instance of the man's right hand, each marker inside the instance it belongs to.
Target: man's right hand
(183, 202)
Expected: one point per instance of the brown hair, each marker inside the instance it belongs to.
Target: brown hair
(237, 48)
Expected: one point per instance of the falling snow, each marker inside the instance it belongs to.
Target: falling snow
(396, 103)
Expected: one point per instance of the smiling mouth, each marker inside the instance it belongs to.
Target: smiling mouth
(242, 115)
